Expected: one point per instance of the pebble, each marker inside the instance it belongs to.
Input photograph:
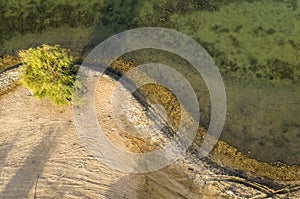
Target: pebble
(8, 78)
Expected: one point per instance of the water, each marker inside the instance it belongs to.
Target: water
(255, 44)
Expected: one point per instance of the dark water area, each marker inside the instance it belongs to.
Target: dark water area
(255, 45)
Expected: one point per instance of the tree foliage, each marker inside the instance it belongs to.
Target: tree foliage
(49, 72)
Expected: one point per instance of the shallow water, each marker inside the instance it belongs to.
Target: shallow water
(255, 44)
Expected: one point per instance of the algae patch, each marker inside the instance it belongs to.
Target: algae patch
(255, 39)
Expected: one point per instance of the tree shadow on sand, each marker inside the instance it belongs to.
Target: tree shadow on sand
(25, 178)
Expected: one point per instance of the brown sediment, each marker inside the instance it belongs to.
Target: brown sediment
(8, 60)
(231, 157)
(225, 153)
(12, 87)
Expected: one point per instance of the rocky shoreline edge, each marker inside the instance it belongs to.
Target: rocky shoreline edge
(8, 79)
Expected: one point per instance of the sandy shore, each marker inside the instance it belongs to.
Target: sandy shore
(42, 156)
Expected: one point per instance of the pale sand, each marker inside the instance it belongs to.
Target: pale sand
(42, 156)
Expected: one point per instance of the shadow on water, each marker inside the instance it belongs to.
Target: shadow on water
(25, 178)
(116, 16)
(79, 25)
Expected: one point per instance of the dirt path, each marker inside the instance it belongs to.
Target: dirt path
(42, 156)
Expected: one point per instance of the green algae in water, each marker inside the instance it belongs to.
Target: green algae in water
(245, 38)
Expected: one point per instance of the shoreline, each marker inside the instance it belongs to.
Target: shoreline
(204, 175)
(228, 155)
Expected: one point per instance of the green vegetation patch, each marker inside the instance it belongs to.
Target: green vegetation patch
(49, 72)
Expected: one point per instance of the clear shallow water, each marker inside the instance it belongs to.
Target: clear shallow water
(255, 44)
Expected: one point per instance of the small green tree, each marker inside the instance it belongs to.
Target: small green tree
(49, 72)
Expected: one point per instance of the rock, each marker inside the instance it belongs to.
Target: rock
(8, 78)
